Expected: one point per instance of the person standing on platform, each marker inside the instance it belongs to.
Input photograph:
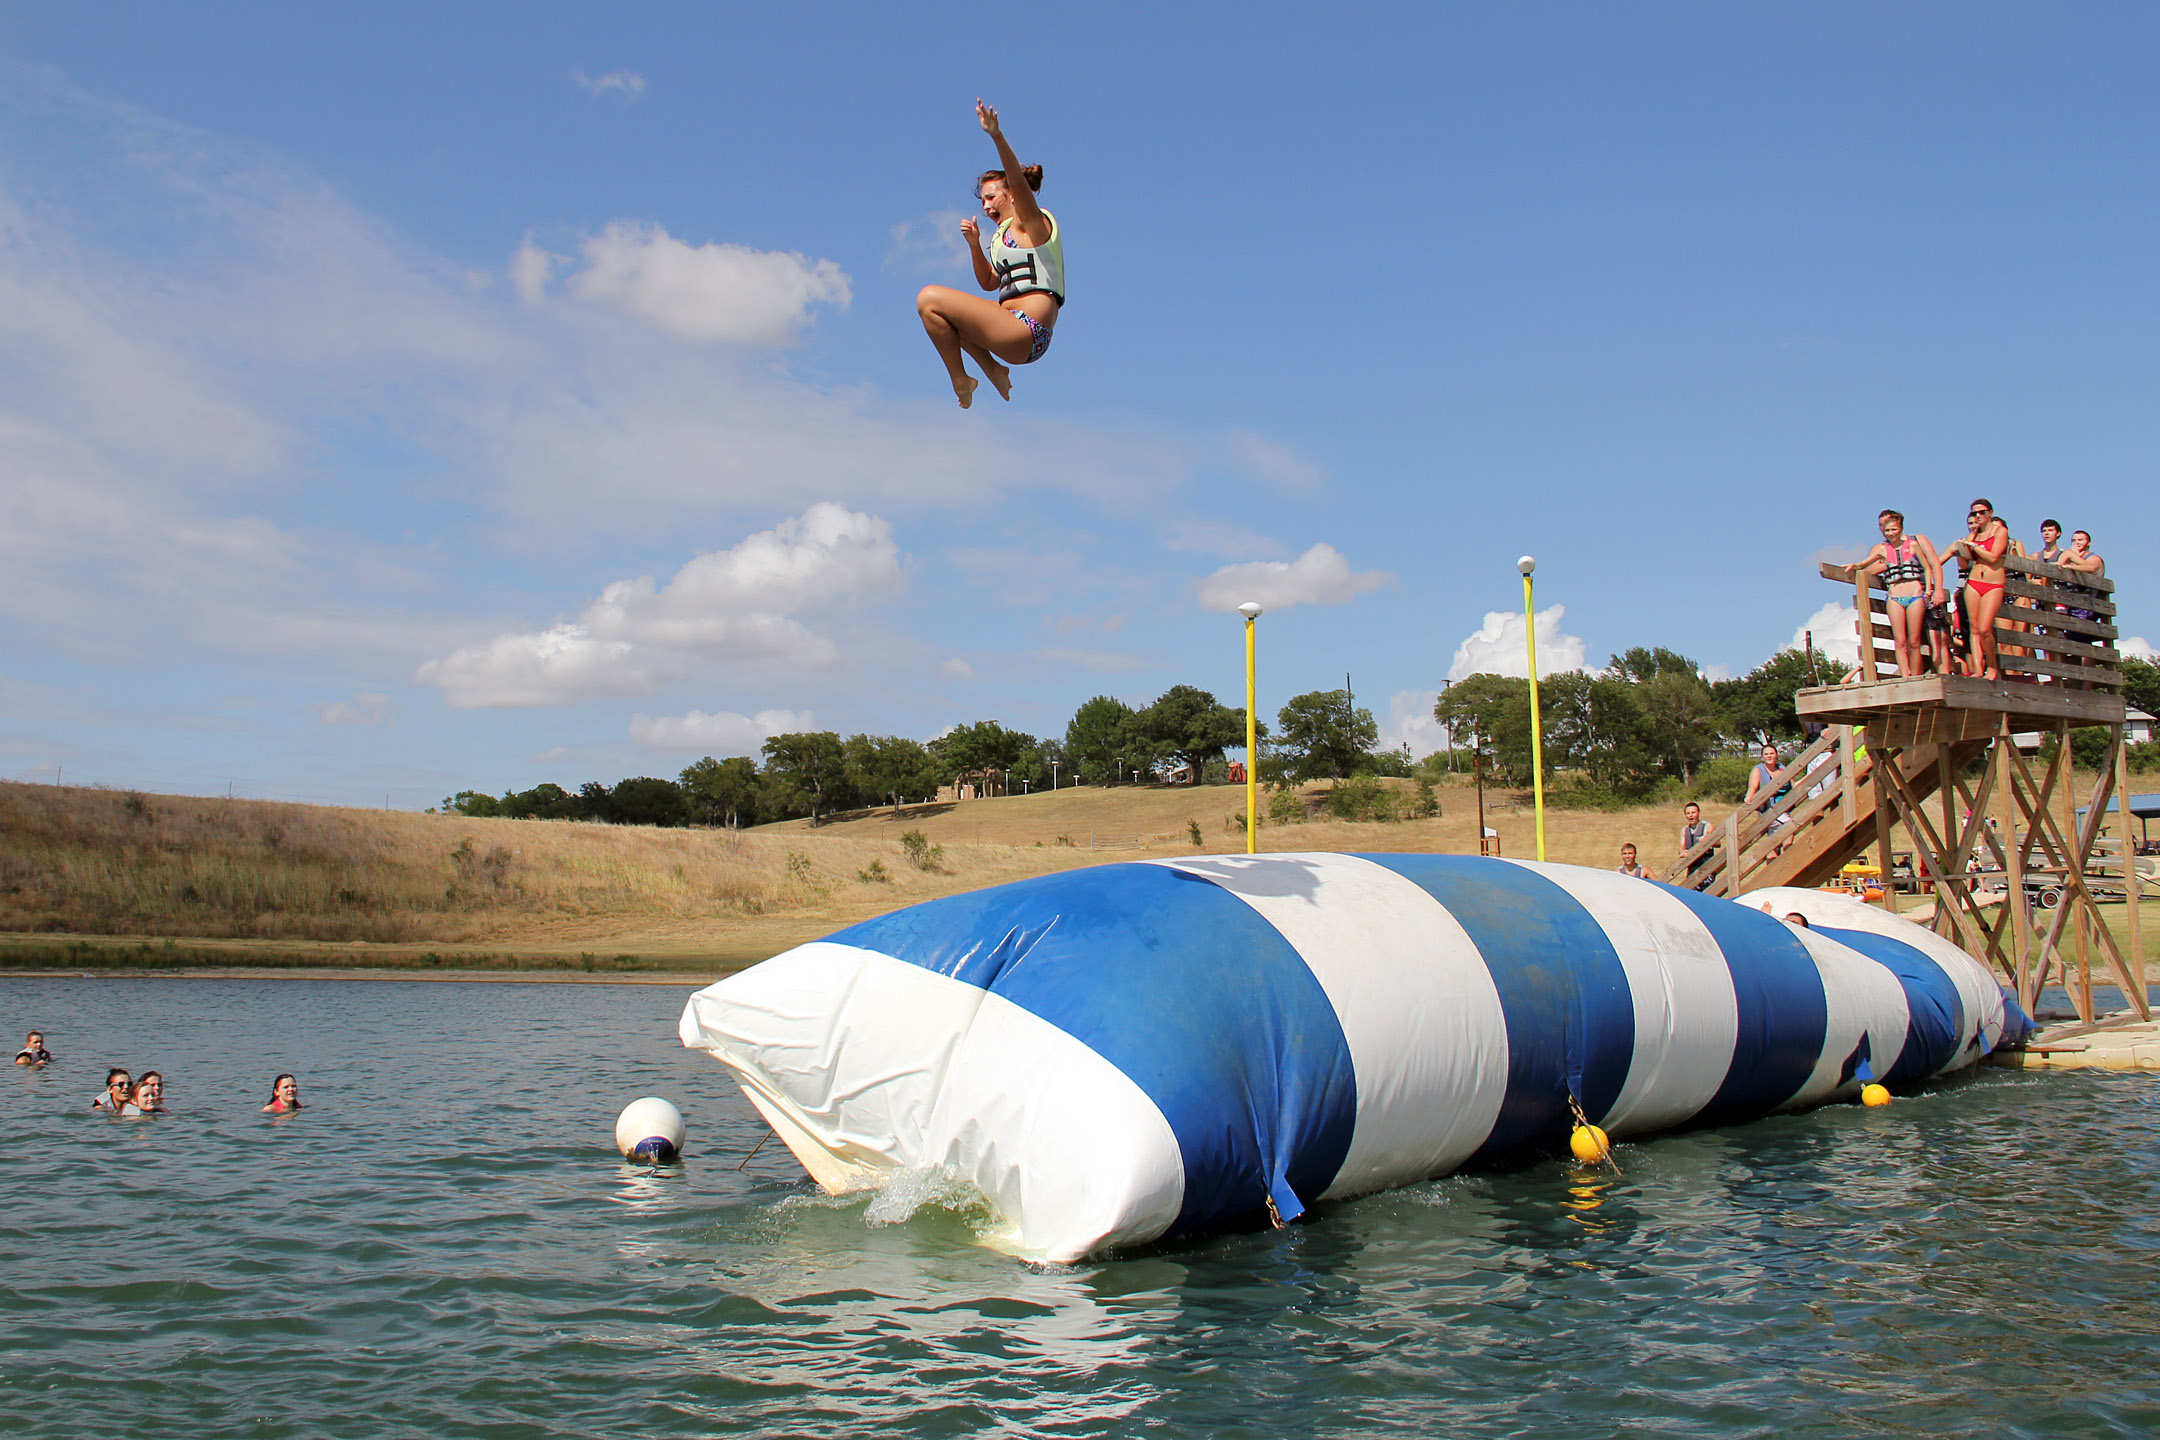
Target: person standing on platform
(2080, 556)
(1912, 576)
(1025, 264)
(1982, 551)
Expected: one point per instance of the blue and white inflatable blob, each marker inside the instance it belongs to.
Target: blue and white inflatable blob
(1142, 1050)
(650, 1131)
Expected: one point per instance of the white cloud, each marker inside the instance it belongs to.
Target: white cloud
(1501, 646)
(1715, 673)
(930, 244)
(1214, 536)
(1273, 463)
(2137, 647)
(724, 733)
(710, 291)
(626, 83)
(1321, 576)
(956, 669)
(530, 269)
(366, 708)
(730, 604)
(1410, 721)
(1837, 633)
(550, 755)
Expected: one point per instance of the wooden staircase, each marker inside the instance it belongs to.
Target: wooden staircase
(1824, 822)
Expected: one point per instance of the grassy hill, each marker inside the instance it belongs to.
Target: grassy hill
(103, 877)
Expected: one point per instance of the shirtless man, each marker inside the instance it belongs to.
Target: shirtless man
(1982, 551)
(1912, 574)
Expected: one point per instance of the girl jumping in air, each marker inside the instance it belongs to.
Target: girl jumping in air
(1025, 265)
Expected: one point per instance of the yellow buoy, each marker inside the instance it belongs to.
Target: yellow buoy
(1874, 1095)
(1590, 1144)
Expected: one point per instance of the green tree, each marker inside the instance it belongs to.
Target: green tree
(1492, 712)
(722, 792)
(472, 802)
(1759, 705)
(1099, 740)
(806, 774)
(545, 801)
(1189, 725)
(972, 749)
(1324, 735)
(1680, 720)
(1638, 665)
(2141, 684)
(890, 768)
(648, 800)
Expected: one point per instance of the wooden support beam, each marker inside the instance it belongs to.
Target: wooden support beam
(2014, 859)
(2133, 887)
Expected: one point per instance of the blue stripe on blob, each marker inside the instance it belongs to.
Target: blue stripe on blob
(1184, 988)
(1570, 1014)
(1935, 1025)
(1784, 1016)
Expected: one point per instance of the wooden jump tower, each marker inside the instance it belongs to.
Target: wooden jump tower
(1892, 744)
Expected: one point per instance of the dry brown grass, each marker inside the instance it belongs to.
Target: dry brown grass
(100, 862)
(1154, 820)
(98, 876)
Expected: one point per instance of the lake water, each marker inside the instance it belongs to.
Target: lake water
(443, 1244)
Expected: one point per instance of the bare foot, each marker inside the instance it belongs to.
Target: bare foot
(964, 387)
(1000, 378)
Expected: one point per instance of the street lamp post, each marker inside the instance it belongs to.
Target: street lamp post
(1053, 773)
(1537, 730)
(1251, 611)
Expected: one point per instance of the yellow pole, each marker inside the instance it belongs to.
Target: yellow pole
(1251, 612)
(1537, 729)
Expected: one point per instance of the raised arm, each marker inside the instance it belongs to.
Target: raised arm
(1027, 215)
(1878, 560)
(985, 276)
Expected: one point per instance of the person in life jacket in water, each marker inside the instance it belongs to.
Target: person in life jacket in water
(1023, 261)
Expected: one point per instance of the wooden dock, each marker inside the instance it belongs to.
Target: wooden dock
(1936, 756)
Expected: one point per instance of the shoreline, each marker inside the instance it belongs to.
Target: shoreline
(694, 978)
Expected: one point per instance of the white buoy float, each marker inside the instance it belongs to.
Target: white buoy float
(650, 1131)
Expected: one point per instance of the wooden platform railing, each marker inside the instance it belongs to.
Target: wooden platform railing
(1833, 793)
(2075, 649)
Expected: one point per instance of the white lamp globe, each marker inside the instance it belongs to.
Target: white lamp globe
(1250, 609)
(1527, 564)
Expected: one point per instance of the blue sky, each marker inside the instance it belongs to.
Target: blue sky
(416, 398)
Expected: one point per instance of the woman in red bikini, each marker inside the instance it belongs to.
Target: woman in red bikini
(1025, 264)
(1913, 577)
(1983, 552)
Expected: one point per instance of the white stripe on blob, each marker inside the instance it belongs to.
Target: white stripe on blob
(1072, 1153)
(1427, 1036)
(1980, 996)
(867, 1066)
(1686, 1017)
(1863, 999)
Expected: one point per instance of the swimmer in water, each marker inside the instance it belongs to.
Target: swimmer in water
(148, 1097)
(284, 1096)
(115, 1095)
(33, 1051)
(1025, 265)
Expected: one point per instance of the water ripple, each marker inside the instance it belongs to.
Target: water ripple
(444, 1244)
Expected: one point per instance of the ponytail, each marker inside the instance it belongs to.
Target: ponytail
(1033, 174)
